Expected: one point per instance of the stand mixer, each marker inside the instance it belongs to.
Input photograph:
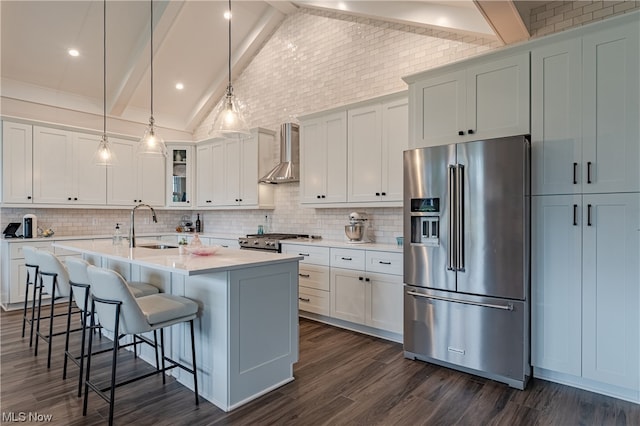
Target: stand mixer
(356, 230)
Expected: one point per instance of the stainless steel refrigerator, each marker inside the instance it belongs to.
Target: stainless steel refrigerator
(467, 257)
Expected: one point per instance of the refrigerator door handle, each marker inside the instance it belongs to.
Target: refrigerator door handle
(460, 217)
(451, 261)
(507, 307)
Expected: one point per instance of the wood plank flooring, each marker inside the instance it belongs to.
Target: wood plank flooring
(342, 378)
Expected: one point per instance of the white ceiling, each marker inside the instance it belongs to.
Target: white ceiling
(190, 46)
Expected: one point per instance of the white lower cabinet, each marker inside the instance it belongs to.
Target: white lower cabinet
(313, 278)
(365, 295)
(586, 290)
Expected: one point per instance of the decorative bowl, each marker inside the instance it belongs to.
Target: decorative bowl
(201, 250)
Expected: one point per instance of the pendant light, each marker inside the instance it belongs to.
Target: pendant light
(229, 121)
(151, 144)
(104, 155)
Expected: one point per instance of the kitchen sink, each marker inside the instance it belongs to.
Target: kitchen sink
(157, 246)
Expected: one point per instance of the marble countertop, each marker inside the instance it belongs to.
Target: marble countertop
(171, 260)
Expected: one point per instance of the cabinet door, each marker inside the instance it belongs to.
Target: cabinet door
(556, 283)
(395, 140)
(498, 98)
(52, 166)
(611, 293)
(313, 160)
(151, 180)
(17, 162)
(90, 180)
(232, 156)
(122, 176)
(248, 168)
(439, 110)
(204, 175)
(385, 302)
(556, 142)
(611, 151)
(219, 176)
(179, 176)
(348, 289)
(364, 130)
(323, 159)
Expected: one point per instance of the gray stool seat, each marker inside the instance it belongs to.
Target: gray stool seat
(140, 289)
(122, 314)
(80, 286)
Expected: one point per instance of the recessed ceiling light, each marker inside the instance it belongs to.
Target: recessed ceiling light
(227, 15)
(179, 86)
(73, 52)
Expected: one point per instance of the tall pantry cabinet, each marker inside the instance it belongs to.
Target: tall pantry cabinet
(586, 210)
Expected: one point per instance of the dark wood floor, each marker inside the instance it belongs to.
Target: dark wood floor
(342, 378)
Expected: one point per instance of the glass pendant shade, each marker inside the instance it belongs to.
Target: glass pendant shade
(151, 144)
(229, 121)
(104, 155)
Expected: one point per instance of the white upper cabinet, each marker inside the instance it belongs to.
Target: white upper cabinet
(135, 179)
(377, 136)
(228, 170)
(323, 159)
(63, 168)
(585, 126)
(468, 102)
(180, 165)
(610, 110)
(556, 142)
(17, 160)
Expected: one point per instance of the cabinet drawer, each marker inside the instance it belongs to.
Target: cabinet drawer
(311, 300)
(16, 249)
(347, 258)
(384, 262)
(314, 276)
(312, 254)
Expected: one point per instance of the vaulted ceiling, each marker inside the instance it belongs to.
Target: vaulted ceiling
(190, 42)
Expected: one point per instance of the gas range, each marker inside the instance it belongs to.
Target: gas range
(267, 242)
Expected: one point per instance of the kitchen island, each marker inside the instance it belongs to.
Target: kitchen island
(247, 325)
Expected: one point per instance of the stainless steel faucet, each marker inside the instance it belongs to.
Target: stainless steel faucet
(132, 230)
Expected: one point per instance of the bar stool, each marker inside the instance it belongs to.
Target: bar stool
(31, 266)
(79, 282)
(54, 280)
(123, 314)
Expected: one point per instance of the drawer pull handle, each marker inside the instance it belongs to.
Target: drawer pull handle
(346, 258)
(303, 254)
(382, 262)
(304, 299)
(304, 275)
(575, 174)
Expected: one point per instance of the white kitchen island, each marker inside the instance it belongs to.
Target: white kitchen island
(247, 325)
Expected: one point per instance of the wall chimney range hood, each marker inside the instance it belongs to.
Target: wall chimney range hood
(288, 169)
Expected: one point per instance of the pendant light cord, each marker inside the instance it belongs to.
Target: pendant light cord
(151, 55)
(104, 67)
(230, 16)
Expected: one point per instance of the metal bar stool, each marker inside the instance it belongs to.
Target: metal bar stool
(31, 267)
(123, 314)
(79, 282)
(54, 280)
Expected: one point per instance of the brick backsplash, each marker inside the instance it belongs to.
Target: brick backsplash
(555, 16)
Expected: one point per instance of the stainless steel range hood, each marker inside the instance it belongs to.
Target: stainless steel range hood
(288, 169)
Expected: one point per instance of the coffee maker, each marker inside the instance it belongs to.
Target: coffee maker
(29, 226)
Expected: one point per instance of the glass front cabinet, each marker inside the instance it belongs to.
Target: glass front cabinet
(180, 175)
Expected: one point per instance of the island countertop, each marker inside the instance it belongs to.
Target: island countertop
(171, 260)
